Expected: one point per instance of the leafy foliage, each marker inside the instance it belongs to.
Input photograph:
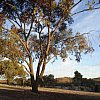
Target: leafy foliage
(37, 15)
(48, 80)
(10, 47)
(11, 69)
(77, 78)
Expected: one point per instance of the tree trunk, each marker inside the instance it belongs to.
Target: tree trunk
(34, 85)
(8, 81)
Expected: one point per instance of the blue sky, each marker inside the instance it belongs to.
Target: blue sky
(89, 65)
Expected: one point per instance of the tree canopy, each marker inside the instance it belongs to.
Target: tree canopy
(11, 70)
(39, 30)
(77, 78)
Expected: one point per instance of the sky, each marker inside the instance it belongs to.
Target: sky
(89, 66)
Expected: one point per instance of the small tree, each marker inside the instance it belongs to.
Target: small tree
(77, 78)
(11, 69)
(48, 80)
(40, 31)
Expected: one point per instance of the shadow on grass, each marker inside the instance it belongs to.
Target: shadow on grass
(28, 95)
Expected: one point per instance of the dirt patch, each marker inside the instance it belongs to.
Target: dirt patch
(12, 93)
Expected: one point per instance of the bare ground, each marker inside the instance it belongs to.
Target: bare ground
(19, 93)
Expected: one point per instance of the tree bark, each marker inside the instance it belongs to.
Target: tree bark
(46, 52)
(8, 81)
(34, 84)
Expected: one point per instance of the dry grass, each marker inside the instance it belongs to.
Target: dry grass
(19, 93)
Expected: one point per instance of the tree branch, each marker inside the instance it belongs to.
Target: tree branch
(57, 27)
(11, 5)
(30, 28)
(74, 37)
(46, 52)
(17, 36)
(10, 21)
(19, 19)
(26, 69)
(84, 11)
(76, 4)
(25, 61)
(39, 65)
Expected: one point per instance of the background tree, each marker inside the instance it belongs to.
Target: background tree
(11, 70)
(88, 83)
(40, 31)
(77, 78)
(48, 80)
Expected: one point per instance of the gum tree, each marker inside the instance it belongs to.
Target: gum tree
(39, 31)
(10, 70)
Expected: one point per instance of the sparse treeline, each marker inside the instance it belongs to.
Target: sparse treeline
(75, 83)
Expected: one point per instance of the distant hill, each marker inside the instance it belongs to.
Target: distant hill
(97, 79)
(64, 80)
(69, 80)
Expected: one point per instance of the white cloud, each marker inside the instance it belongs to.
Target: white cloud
(75, 8)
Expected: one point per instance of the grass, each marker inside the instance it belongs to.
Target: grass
(19, 93)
